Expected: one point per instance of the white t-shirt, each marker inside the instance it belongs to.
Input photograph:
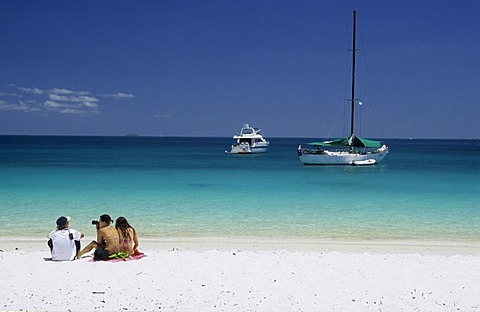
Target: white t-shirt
(63, 247)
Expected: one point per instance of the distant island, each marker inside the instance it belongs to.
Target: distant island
(132, 135)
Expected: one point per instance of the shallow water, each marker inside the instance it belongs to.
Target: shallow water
(424, 190)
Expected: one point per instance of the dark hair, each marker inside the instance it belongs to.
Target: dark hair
(121, 224)
(106, 218)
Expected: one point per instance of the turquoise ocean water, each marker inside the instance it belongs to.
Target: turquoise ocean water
(425, 190)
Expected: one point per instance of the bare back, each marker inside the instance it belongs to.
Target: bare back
(109, 235)
(128, 244)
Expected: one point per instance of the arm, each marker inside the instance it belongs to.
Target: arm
(135, 240)
(100, 237)
(76, 234)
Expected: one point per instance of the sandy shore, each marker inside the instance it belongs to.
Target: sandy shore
(246, 276)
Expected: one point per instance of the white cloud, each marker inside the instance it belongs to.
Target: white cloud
(73, 111)
(11, 94)
(21, 106)
(69, 108)
(66, 91)
(118, 95)
(32, 90)
(60, 100)
(53, 105)
(65, 98)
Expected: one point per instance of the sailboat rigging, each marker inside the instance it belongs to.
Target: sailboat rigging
(351, 150)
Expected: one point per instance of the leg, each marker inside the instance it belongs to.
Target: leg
(50, 244)
(87, 248)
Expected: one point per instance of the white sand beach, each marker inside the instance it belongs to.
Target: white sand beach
(245, 277)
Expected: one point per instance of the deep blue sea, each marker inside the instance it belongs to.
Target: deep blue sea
(424, 190)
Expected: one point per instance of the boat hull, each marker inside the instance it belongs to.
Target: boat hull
(340, 158)
(247, 149)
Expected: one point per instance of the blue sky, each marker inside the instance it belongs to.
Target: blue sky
(203, 68)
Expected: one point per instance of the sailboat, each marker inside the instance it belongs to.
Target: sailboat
(351, 150)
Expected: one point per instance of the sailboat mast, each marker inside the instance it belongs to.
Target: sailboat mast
(353, 70)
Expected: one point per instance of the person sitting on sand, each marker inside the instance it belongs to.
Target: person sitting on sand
(107, 242)
(64, 243)
(128, 236)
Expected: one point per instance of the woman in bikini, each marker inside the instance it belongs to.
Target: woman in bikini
(107, 242)
(128, 236)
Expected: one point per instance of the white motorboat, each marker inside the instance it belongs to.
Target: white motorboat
(351, 150)
(249, 141)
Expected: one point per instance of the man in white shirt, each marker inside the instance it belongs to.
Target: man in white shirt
(64, 243)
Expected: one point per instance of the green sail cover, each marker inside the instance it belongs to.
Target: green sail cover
(357, 142)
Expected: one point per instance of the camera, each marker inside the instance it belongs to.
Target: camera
(95, 222)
